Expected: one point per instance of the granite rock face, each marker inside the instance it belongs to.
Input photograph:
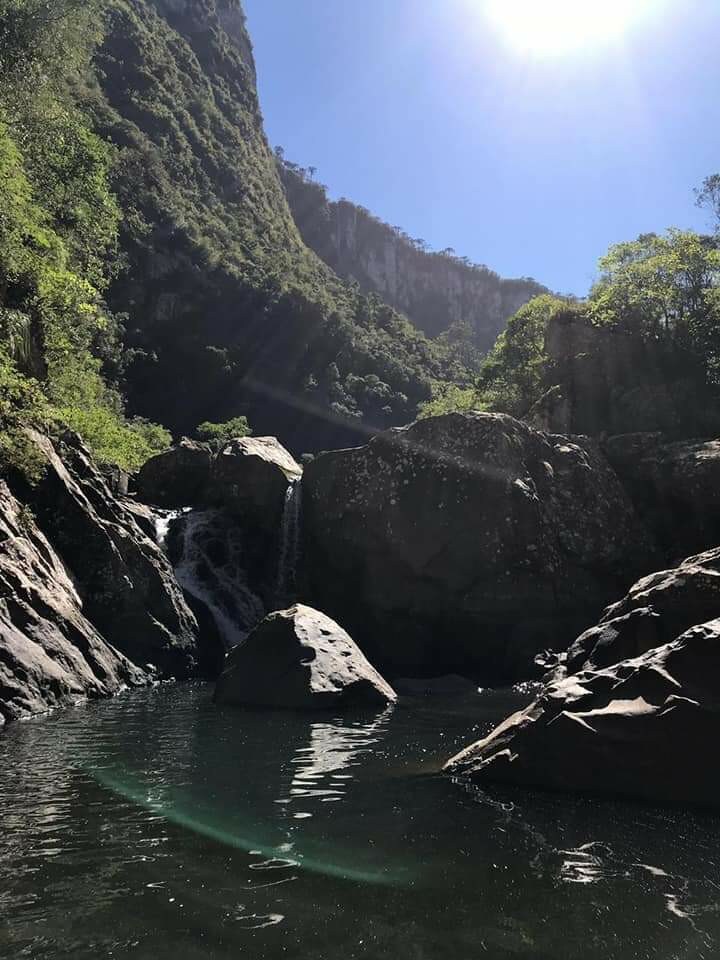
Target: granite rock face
(251, 477)
(635, 710)
(248, 477)
(125, 581)
(300, 658)
(50, 653)
(467, 543)
(179, 477)
(675, 487)
(656, 610)
(644, 728)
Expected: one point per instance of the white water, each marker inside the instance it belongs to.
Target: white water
(210, 569)
(289, 544)
(164, 519)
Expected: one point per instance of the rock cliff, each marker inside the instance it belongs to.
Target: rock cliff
(435, 290)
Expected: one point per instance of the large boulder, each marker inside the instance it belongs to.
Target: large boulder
(50, 653)
(675, 488)
(179, 477)
(251, 477)
(125, 581)
(300, 658)
(646, 728)
(657, 609)
(467, 543)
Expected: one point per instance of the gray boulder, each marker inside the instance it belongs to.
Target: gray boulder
(657, 609)
(50, 653)
(177, 478)
(467, 543)
(300, 658)
(644, 728)
(251, 476)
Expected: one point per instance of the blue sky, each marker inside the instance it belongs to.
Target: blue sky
(424, 112)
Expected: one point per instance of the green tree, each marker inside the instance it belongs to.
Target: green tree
(515, 372)
(664, 289)
(222, 432)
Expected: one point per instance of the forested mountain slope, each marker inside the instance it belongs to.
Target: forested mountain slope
(438, 291)
(227, 311)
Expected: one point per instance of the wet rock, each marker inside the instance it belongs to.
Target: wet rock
(177, 478)
(300, 658)
(123, 578)
(251, 476)
(644, 728)
(50, 653)
(467, 543)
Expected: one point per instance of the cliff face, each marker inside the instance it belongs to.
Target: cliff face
(229, 312)
(435, 290)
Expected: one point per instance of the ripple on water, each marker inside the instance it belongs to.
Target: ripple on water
(157, 827)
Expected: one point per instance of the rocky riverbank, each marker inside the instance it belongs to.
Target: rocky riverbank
(464, 544)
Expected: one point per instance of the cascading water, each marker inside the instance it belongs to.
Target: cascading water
(289, 544)
(209, 567)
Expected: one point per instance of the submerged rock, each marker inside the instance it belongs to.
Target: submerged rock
(125, 581)
(177, 478)
(300, 658)
(467, 543)
(50, 653)
(645, 728)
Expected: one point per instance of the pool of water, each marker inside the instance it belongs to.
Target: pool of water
(158, 826)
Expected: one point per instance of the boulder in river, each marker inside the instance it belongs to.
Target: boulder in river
(635, 712)
(300, 658)
(50, 653)
(179, 477)
(644, 728)
(467, 543)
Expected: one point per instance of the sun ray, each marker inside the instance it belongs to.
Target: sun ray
(556, 27)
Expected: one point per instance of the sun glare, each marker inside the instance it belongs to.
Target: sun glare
(553, 27)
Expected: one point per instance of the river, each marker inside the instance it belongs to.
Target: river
(159, 827)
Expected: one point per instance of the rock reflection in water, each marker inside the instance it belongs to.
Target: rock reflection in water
(149, 828)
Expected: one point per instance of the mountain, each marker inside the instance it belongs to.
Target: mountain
(227, 311)
(435, 290)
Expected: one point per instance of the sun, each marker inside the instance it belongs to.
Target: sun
(553, 27)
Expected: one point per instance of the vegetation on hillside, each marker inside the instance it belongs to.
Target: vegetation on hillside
(643, 352)
(229, 312)
(149, 259)
(444, 294)
(58, 227)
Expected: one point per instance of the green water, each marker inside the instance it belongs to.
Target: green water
(158, 827)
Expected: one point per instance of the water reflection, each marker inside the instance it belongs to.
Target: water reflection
(334, 746)
(158, 827)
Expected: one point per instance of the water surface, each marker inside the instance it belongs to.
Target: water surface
(157, 826)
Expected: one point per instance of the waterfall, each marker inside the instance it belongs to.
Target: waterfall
(209, 567)
(289, 544)
(164, 519)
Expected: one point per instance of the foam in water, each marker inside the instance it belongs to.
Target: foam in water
(289, 544)
(210, 569)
